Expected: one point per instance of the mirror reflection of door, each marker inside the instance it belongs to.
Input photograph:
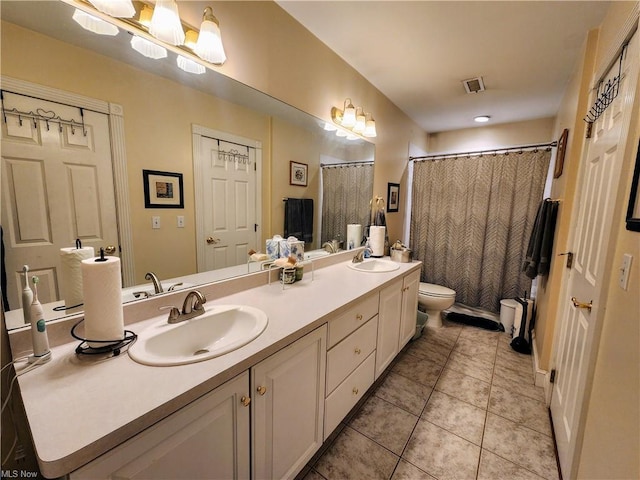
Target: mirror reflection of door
(57, 186)
(228, 203)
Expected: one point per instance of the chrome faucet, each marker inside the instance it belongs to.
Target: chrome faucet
(157, 286)
(191, 307)
(359, 257)
(329, 247)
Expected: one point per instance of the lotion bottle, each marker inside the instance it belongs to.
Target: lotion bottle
(39, 336)
(27, 296)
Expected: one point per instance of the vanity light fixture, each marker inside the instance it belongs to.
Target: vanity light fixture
(94, 24)
(115, 8)
(361, 124)
(348, 114)
(482, 118)
(146, 14)
(209, 46)
(147, 48)
(190, 66)
(165, 23)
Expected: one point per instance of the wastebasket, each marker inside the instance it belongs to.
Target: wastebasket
(507, 314)
(421, 321)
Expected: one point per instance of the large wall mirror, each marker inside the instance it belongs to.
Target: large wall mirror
(162, 111)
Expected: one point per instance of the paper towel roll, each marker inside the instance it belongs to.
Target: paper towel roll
(354, 235)
(102, 285)
(376, 240)
(71, 275)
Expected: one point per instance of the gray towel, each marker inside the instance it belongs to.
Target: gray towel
(298, 219)
(538, 259)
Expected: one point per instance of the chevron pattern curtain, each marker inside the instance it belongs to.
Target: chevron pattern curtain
(471, 221)
(346, 193)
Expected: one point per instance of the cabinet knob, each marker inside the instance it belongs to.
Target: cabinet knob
(262, 390)
(245, 400)
(359, 317)
(355, 390)
(357, 351)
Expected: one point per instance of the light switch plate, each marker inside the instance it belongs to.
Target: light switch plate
(155, 222)
(180, 221)
(624, 271)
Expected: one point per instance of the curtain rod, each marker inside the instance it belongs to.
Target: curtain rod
(485, 152)
(345, 164)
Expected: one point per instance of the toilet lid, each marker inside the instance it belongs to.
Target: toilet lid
(436, 290)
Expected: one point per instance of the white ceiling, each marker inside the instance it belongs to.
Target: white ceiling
(418, 52)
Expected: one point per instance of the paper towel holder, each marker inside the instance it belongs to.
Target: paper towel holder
(113, 347)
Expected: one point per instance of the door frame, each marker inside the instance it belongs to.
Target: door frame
(115, 114)
(198, 131)
(629, 28)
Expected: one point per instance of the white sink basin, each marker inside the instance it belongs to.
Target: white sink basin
(374, 265)
(315, 254)
(221, 329)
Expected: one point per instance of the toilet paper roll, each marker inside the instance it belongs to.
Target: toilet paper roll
(102, 286)
(71, 275)
(354, 235)
(376, 240)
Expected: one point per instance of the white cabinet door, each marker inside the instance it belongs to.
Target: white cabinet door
(288, 407)
(389, 312)
(207, 439)
(410, 286)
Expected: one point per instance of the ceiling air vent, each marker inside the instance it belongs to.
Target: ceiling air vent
(473, 85)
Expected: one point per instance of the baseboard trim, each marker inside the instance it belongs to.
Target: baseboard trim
(541, 377)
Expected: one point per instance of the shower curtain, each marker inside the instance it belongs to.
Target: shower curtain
(471, 221)
(346, 192)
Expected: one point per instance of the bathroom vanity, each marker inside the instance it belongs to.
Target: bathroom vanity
(260, 411)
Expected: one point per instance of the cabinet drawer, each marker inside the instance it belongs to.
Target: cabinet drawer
(347, 394)
(350, 352)
(355, 317)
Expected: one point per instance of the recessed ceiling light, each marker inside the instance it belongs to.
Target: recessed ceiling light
(482, 118)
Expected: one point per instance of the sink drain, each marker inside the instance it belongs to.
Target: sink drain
(200, 352)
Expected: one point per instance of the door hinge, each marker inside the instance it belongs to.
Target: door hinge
(569, 258)
(552, 377)
(589, 128)
(255, 227)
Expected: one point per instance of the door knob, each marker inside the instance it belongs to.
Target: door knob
(212, 241)
(110, 249)
(578, 304)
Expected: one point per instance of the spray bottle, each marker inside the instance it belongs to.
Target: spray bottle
(41, 352)
(27, 297)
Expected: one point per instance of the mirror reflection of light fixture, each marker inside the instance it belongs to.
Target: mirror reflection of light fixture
(190, 66)
(209, 46)
(94, 24)
(363, 123)
(165, 23)
(482, 118)
(115, 8)
(147, 48)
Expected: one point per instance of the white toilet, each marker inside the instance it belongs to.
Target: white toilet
(434, 299)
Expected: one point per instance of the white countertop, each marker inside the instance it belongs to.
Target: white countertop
(78, 407)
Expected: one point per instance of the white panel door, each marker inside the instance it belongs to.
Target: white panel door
(576, 345)
(229, 203)
(57, 186)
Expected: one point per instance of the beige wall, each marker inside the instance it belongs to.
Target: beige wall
(493, 136)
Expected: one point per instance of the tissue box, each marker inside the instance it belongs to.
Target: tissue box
(292, 247)
(273, 247)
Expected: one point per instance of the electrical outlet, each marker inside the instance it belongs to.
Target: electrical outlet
(155, 222)
(623, 280)
(180, 221)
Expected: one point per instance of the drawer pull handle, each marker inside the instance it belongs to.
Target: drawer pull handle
(355, 390)
(357, 351)
(262, 390)
(245, 400)
(359, 317)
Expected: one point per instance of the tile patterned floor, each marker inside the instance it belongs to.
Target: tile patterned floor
(458, 403)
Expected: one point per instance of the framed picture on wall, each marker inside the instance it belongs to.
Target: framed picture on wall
(298, 174)
(633, 210)
(393, 196)
(162, 189)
